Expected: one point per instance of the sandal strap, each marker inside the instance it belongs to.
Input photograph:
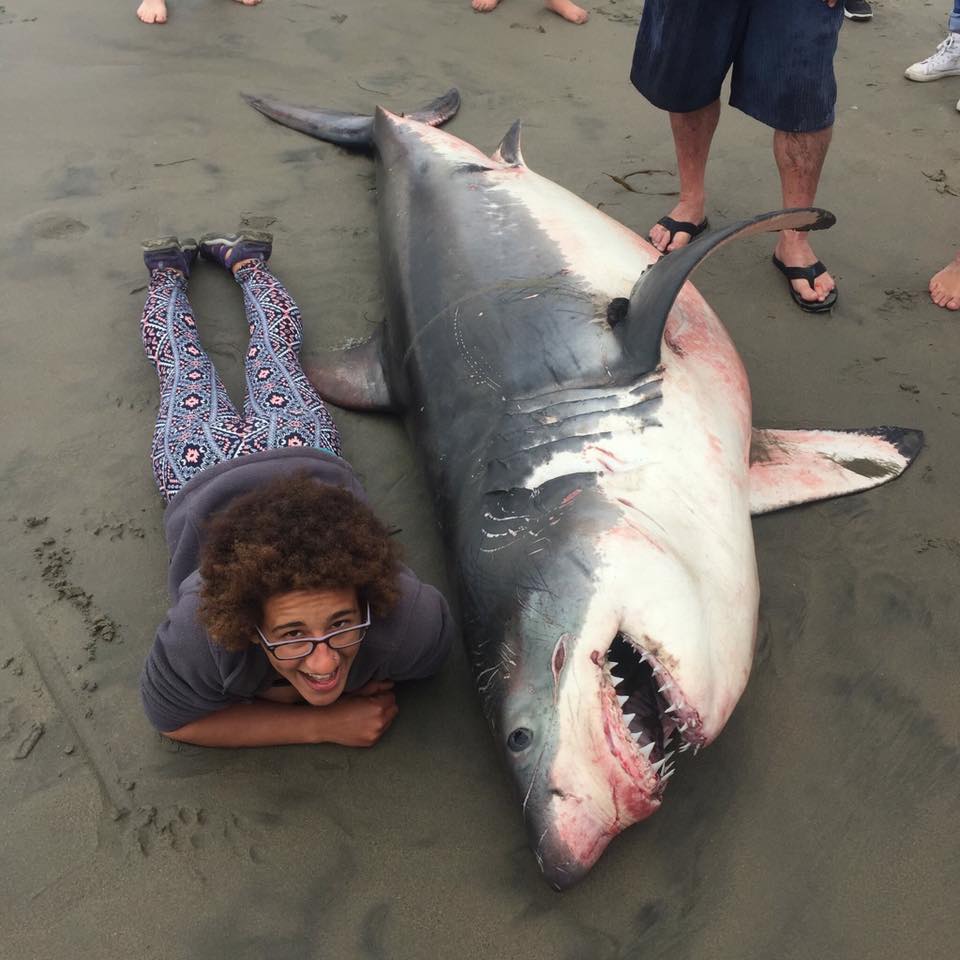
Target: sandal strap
(809, 273)
(681, 226)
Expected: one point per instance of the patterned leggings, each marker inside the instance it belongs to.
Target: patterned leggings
(197, 425)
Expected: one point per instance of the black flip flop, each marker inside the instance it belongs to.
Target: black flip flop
(674, 227)
(809, 274)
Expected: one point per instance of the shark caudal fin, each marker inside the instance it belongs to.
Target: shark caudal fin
(790, 467)
(348, 129)
(354, 378)
(640, 325)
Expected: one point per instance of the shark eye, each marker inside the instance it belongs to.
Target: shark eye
(520, 739)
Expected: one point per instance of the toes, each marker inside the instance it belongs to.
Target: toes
(680, 239)
(953, 304)
(659, 237)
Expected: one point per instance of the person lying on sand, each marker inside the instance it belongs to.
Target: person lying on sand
(945, 285)
(291, 615)
(565, 8)
(155, 11)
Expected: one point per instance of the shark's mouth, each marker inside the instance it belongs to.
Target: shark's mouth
(659, 721)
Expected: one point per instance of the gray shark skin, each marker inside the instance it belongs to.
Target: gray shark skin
(585, 425)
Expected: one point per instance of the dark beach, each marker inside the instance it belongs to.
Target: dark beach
(822, 823)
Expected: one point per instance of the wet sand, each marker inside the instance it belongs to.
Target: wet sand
(823, 821)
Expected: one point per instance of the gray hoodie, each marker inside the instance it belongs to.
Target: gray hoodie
(187, 676)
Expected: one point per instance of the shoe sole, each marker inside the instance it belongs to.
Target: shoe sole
(936, 76)
(257, 236)
(160, 243)
(858, 16)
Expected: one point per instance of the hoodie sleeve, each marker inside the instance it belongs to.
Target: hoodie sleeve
(426, 634)
(181, 680)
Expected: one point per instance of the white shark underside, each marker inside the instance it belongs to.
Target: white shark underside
(588, 438)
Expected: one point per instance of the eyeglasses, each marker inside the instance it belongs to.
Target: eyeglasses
(304, 646)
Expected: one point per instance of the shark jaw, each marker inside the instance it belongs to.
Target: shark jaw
(616, 751)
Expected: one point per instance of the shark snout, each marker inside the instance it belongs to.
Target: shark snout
(567, 837)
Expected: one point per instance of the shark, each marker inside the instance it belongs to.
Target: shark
(584, 421)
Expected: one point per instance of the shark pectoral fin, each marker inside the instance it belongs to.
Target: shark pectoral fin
(353, 378)
(651, 299)
(789, 467)
(509, 150)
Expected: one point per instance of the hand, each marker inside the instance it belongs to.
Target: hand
(361, 718)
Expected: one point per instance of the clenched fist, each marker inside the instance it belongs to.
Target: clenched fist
(361, 718)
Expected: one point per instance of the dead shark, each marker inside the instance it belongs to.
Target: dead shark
(585, 423)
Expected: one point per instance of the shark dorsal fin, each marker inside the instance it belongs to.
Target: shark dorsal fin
(509, 150)
(652, 297)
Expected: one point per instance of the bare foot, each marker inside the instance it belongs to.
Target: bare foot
(568, 10)
(484, 6)
(249, 3)
(945, 286)
(153, 11)
(686, 211)
(794, 250)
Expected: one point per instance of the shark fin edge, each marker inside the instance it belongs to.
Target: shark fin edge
(792, 467)
(653, 295)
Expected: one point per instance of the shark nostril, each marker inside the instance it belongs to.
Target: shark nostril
(520, 739)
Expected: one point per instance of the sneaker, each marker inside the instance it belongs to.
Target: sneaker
(169, 253)
(857, 10)
(230, 248)
(944, 63)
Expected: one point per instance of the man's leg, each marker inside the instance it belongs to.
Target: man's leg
(692, 136)
(800, 159)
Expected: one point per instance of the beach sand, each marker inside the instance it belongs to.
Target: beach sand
(823, 822)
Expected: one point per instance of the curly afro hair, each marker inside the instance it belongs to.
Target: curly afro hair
(290, 534)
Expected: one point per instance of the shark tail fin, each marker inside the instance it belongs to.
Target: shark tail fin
(790, 467)
(651, 299)
(354, 378)
(348, 129)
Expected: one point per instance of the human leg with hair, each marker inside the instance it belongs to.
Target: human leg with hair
(682, 53)
(197, 424)
(783, 76)
(800, 159)
(282, 408)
